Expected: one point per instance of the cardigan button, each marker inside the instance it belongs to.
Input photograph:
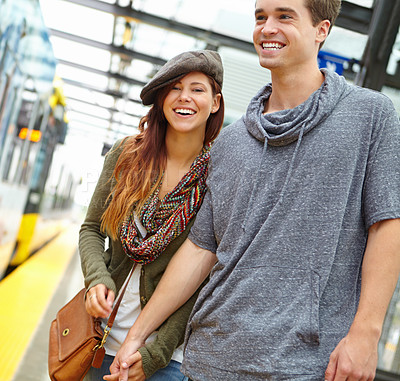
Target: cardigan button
(143, 299)
(142, 271)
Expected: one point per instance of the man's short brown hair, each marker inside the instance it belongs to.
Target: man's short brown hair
(323, 10)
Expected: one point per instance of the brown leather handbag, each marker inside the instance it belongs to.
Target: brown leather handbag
(76, 340)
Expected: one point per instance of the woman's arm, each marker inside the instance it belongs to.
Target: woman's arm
(355, 357)
(101, 288)
(185, 273)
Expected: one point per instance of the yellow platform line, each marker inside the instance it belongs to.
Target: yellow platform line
(25, 294)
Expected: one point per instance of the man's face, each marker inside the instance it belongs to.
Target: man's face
(284, 36)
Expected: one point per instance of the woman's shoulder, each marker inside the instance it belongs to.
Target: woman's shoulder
(115, 151)
(118, 146)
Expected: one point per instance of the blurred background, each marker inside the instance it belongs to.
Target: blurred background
(71, 72)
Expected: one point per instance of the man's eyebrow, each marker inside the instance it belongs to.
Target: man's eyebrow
(285, 9)
(279, 9)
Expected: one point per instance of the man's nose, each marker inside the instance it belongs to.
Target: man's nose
(269, 27)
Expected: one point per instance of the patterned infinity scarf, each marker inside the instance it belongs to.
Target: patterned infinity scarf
(166, 219)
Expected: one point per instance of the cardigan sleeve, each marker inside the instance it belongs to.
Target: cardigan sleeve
(158, 353)
(94, 257)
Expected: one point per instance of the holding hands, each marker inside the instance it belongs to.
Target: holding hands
(127, 364)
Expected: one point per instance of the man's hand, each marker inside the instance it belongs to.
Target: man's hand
(127, 362)
(135, 372)
(99, 301)
(354, 359)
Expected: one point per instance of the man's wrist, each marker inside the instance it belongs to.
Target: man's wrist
(136, 334)
(366, 326)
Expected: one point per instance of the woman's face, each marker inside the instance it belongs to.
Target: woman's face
(189, 104)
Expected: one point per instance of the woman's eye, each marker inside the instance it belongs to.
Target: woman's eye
(285, 17)
(198, 90)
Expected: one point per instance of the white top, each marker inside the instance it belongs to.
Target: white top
(128, 312)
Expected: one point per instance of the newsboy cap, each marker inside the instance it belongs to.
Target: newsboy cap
(207, 61)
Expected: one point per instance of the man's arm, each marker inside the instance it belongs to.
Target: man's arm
(356, 356)
(187, 270)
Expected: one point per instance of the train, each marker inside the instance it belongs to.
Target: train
(33, 122)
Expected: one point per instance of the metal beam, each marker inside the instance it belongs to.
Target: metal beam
(110, 120)
(92, 125)
(110, 109)
(385, 376)
(384, 28)
(354, 17)
(107, 74)
(211, 38)
(120, 50)
(393, 80)
(115, 94)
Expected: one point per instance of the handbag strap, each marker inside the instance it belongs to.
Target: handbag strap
(113, 314)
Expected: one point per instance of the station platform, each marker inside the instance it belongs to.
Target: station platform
(29, 299)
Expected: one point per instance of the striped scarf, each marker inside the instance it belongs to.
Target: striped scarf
(166, 219)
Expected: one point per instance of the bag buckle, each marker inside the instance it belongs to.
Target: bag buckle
(103, 340)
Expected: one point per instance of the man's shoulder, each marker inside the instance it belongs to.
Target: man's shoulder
(369, 95)
(232, 131)
(366, 101)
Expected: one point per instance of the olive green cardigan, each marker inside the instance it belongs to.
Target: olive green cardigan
(111, 267)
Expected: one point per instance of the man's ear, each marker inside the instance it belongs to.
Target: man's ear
(322, 31)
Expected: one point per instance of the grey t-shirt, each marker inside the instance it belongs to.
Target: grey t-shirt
(291, 197)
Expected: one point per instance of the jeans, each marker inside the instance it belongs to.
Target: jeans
(170, 373)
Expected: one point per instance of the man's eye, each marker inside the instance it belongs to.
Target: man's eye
(285, 17)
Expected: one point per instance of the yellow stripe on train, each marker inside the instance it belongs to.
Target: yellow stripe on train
(25, 234)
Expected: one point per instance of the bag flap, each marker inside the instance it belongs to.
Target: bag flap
(75, 326)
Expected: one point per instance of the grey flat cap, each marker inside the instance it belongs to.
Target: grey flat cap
(206, 61)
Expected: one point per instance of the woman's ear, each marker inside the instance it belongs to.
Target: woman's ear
(216, 103)
(322, 31)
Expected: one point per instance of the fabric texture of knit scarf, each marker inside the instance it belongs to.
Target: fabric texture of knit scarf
(166, 219)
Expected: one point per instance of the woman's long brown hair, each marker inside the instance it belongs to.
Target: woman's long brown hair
(139, 168)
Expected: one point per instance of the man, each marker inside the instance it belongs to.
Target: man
(300, 226)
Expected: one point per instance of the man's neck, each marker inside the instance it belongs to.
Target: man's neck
(291, 89)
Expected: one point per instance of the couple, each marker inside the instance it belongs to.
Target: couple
(291, 262)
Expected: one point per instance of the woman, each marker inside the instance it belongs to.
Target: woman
(150, 188)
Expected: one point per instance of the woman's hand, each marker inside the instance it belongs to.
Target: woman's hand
(127, 362)
(99, 301)
(121, 371)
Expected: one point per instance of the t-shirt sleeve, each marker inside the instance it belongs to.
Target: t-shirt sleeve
(382, 182)
(202, 232)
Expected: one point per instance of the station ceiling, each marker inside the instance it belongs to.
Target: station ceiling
(107, 50)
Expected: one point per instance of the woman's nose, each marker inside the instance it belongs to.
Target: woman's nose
(184, 95)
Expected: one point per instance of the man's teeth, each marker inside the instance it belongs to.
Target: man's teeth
(184, 111)
(272, 46)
